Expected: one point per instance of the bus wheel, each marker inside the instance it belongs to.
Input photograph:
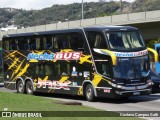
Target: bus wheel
(29, 88)
(89, 92)
(20, 87)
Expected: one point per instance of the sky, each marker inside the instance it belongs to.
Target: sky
(40, 4)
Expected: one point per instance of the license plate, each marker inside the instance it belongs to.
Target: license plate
(136, 93)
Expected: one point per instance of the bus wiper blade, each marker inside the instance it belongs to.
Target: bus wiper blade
(146, 74)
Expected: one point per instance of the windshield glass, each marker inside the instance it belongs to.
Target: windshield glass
(124, 40)
(131, 68)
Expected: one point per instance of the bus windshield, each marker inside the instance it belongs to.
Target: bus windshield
(124, 40)
(131, 68)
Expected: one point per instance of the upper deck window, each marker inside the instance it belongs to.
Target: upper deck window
(124, 40)
(96, 40)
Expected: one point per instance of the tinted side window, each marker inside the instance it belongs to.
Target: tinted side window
(6, 45)
(63, 68)
(44, 69)
(48, 42)
(51, 69)
(63, 42)
(66, 41)
(96, 40)
(76, 41)
(32, 43)
(13, 44)
(22, 43)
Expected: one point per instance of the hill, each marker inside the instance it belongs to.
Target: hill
(25, 18)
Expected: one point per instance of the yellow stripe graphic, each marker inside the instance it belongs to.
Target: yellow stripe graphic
(84, 58)
(112, 54)
(18, 68)
(97, 78)
(10, 55)
(23, 71)
(63, 79)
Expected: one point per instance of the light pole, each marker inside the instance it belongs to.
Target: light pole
(82, 10)
(121, 6)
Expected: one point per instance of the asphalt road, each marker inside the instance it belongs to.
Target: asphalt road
(135, 103)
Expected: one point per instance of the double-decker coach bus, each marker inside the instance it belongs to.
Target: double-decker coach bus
(100, 61)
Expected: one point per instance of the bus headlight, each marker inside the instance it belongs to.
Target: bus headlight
(149, 82)
(114, 85)
(119, 86)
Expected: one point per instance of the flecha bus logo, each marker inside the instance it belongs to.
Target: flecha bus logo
(67, 56)
(56, 56)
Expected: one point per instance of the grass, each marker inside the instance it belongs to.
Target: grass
(22, 102)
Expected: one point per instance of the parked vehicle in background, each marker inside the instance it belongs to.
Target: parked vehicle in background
(156, 81)
(157, 64)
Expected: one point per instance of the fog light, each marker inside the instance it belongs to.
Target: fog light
(7, 76)
(150, 84)
(118, 93)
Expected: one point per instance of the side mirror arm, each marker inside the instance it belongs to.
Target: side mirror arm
(156, 58)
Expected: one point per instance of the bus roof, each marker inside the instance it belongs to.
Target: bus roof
(42, 32)
(99, 28)
(111, 28)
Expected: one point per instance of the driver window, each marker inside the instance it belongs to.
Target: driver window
(103, 67)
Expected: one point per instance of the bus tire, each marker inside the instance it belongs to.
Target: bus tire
(89, 92)
(20, 87)
(29, 88)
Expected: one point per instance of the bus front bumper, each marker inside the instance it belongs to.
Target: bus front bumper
(119, 93)
(133, 93)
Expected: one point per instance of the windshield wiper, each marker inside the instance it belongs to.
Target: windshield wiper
(147, 74)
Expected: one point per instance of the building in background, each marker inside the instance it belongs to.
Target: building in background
(8, 28)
